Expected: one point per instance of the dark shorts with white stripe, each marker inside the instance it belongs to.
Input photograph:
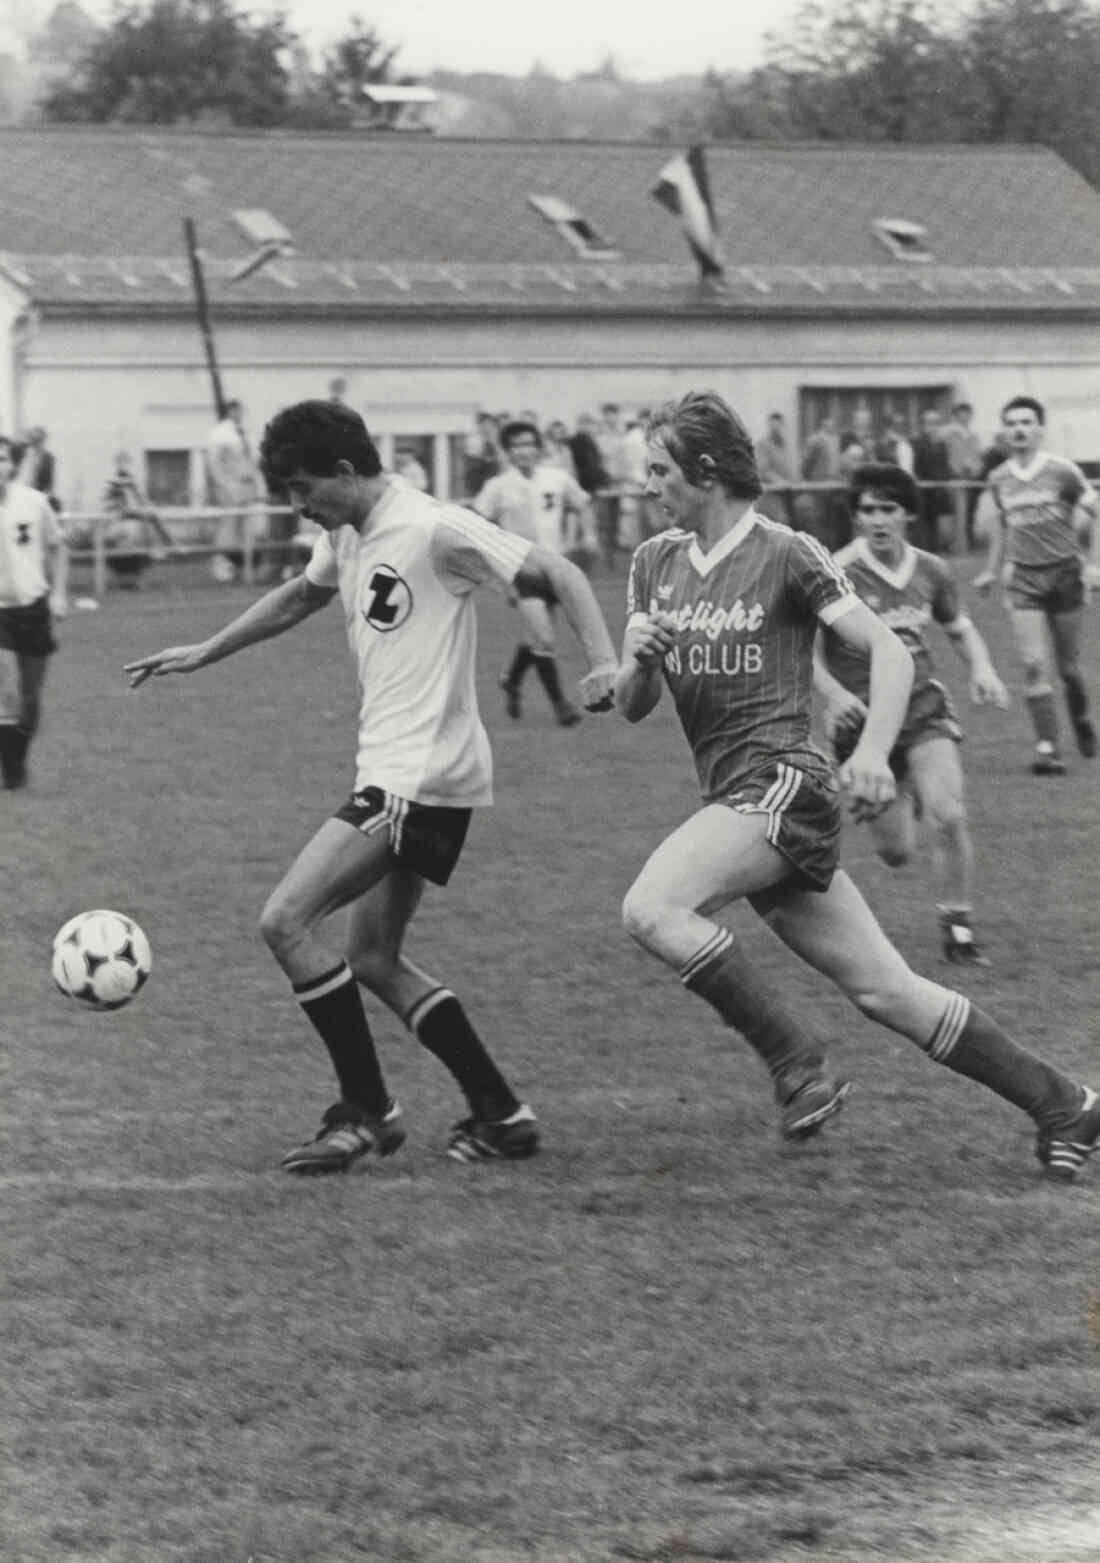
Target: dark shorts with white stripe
(803, 814)
(422, 837)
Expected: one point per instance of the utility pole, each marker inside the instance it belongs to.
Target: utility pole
(199, 281)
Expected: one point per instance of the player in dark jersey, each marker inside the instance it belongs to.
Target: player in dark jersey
(1043, 513)
(909, 589)
(724, 609)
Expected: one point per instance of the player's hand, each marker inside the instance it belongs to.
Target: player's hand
(869, 782)
(598, 687)
(987, 689)
(649, 642)
(844, 716)
(174, 659)
(59, 605)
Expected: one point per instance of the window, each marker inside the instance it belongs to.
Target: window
(904, 240)
(168, 477)
(868, 410)
(575, 229)
(258, 225)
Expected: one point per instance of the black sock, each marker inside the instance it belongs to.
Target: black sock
(335, 1008)
(968, 1041)
(11, 752)
(724, 976)
(547, 670)
(1077, 700)
(522, 659)
(440, 1024)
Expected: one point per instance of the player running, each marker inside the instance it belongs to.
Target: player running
(1043, 516)
(908, 589)
(724, 609)
(405, 567)
(533, 499)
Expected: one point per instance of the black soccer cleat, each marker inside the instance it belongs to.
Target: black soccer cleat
(959, 945)
(1047, 761)
(808, 1108)
(565, 714)
(1063, 1150)
(514, 1138)
(346, 1135)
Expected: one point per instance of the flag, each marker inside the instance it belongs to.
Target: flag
(267, 252)
(684, 189)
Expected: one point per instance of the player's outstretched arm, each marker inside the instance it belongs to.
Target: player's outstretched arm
(647, 642)
(276, 611)
(542, 569)
(866, 775)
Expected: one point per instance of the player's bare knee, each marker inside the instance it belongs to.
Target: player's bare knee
(643, 915)
(279, 928)
(881, 1000)
(1035, 674)
(374, 967)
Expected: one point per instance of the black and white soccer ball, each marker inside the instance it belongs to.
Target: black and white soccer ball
(101, 959)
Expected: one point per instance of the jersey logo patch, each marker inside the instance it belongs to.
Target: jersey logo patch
(23, 532)
(391, 600)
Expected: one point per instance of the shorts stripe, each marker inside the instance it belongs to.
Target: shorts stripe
(714, 947)
(779, 796)
(951, 1027)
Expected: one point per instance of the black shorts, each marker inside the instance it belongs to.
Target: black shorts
(929, 714)
(803, 810)
(1047, 588)
(424, 838)
(28, 631)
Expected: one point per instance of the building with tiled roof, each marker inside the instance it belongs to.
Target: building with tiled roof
(437, 277)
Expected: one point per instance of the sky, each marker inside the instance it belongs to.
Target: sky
(567, 36)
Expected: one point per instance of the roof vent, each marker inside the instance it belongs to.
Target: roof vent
(904, 240)
(259, 226)
(575, 229)
(396, 107)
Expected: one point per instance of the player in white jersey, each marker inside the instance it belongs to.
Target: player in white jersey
(910, 589)
(534, 499)
(1042, 514)
(405, 567)
(724, 610)
(33, 574)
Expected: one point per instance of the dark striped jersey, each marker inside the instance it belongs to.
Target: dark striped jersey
(741, 670)
(907, 598)
(1036, 504)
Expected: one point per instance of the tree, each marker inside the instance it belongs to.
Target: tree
(173, 61)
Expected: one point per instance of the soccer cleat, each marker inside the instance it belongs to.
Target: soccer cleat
(958, 943)
(567, 715)
(346, 1135)
(511, 698)
(1063, 1150)
(807, 1108)
(487, 1139)
(1047, 761)
(1085, 734)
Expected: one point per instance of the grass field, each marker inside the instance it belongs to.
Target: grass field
(669, 1337)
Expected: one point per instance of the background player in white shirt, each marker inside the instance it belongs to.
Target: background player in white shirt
(33, 574)
(405, 567)
(909, 589)
(538, 500)
(1041, 510)
(724, 610)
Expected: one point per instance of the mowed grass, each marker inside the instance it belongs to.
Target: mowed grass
(669, 1337)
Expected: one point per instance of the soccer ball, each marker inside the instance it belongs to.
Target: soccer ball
(101, 958)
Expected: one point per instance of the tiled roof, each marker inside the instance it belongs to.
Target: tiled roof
(93, 218)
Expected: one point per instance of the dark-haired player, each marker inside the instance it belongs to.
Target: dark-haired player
(724, 608)
(405, 567)
(909, 589)
(1044, 513)
(536, 500)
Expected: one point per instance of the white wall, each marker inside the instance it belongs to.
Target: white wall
(101, 385)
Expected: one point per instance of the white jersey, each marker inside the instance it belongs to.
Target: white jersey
(406, 582)
(28, 530)
(539, 508)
